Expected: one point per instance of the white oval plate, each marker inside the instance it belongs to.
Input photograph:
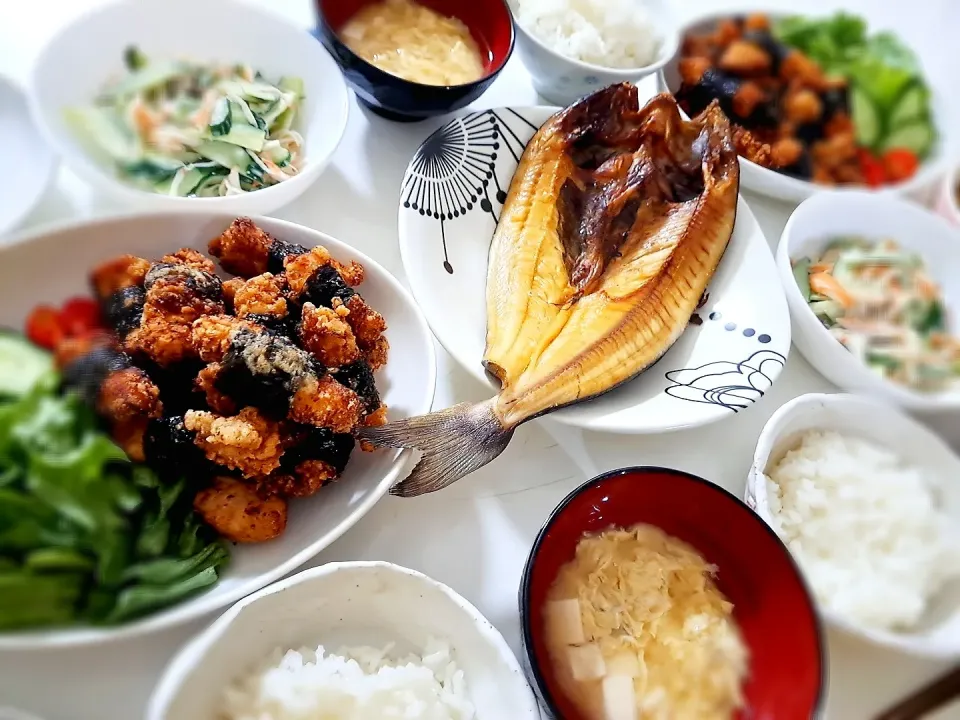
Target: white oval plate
(64, 257)
(450, 202)
(25, 150)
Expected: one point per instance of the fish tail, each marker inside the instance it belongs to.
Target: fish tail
(453, 442)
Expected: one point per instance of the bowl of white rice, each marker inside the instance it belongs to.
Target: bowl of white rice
(867, 500)
(573, 48)
(347, 641)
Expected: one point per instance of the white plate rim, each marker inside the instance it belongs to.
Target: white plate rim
(193, 608)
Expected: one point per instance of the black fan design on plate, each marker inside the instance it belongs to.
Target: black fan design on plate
(452, 171)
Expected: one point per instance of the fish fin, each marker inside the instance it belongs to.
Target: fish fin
(453, 442)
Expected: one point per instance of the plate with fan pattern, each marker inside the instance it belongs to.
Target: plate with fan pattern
(450, 201)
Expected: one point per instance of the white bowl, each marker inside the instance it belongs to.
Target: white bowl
(344, 604)
(63, 256)
(876, 217)
(79, 59)
(947, 203)
(783, 187)
(562, 81)
(938, 633)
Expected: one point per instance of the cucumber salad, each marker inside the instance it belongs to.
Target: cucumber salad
(194, 130)
(880, 302)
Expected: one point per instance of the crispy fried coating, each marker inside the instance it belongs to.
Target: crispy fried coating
(129, 436)
(128, 394)
(206, 383)
(307, 478)
(377, 418)
(117, 274)
(260, 295)
(243, 249)
(73, 348)
(326, 403)
(190, 258)
(163, 339)
(210, 335)
(236, 511)
(300, 268)
(248, 442)
(230, 288)
(326, 335)
(368, 326)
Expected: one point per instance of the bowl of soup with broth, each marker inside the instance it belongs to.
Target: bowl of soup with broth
(409, 60)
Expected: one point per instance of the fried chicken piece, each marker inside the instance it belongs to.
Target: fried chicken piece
(756, 21)
(117, 274)
(237, 512)
(230, 288)
(307, 478)
(785, 152)
(798, 68)
(692, 69)
(242, 249)
(802, 106)
(163, 339)
(190, 258)
(326, 335)
(205, 382)
(300, 269)
(129, 436)
(260, 295)
(326, 403)
(73, 348)
(211, 335)
(248, 442)
(749, 147)
(368, 326)
(128, 394)
(747, 97)
(745, 58)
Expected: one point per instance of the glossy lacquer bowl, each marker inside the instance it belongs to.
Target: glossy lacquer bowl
(772, 605)
(490, 23)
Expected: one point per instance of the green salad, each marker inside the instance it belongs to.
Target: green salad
(86, 536)
(890, 101)
(195, 130)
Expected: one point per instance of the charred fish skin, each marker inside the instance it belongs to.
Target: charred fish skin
(615, 222)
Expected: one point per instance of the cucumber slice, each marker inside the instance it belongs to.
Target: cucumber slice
(245, 136)
(917, 137)
(149, 77)
(102, 131)
(866, 118)
(801, 273)
(220, 120)
(912, 105)
(226, 154)
(292, 84)
(22, 364)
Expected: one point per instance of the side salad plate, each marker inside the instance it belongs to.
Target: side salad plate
(451, 198)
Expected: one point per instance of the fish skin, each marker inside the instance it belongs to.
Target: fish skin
(586, 292)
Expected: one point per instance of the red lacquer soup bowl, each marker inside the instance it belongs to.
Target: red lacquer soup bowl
(772, 605)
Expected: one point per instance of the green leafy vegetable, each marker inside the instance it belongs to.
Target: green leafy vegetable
(879, 65)
(86, 535)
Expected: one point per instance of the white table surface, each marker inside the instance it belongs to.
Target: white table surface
(475, 535)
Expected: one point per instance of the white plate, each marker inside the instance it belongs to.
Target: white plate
(76, 62)
(29, 160)
(345, 604)
(63, 257)
(783, 187)
(451, 197)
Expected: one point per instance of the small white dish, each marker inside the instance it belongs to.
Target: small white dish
(876, 217)
(783, 187)
(938, 633)
(450, 200)
(345, 604)
(21, 190)
(65, 255)
(562, 81)
(79, 59)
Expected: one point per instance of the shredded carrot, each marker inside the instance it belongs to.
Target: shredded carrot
(824, 284)
(821, 267)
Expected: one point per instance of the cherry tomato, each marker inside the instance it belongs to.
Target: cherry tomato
(900, 164)
(79, 316)
(44, 328)
(874, 173)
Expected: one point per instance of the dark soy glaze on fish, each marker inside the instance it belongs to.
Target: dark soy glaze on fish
(280, 251)
(170, 450)
(318, 443)
(358, 377)
(124, 309)
(324, 285)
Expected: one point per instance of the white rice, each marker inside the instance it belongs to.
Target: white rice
(361, 683)
(864, 527)
(608, 33)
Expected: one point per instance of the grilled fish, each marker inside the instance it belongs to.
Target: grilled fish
(616, 219)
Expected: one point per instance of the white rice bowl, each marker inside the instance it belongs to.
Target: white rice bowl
(607, 33)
